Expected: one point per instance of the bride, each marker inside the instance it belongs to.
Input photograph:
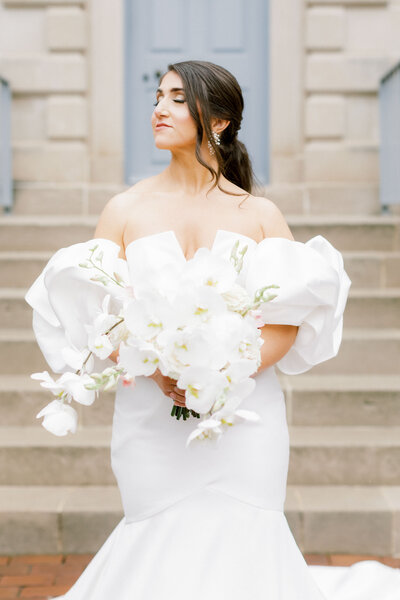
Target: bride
(206, 520)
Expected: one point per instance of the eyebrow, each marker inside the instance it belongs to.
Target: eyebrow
(175, 89)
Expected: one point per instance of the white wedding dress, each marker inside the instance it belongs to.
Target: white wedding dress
(206, 521)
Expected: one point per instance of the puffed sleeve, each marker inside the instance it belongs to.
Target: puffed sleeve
(313, 290)
(65, 297)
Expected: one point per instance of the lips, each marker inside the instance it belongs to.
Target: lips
(159, 125)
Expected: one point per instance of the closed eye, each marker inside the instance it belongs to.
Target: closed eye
(175, 100)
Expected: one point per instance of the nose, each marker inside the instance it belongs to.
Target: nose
(160, 108)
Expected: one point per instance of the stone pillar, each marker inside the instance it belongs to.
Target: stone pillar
(286, 90)
(106, 91)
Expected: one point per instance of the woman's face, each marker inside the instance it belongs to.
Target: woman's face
(178, 129)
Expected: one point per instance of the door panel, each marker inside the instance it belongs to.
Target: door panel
(232, 33)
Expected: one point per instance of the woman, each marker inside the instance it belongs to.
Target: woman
(204, 521)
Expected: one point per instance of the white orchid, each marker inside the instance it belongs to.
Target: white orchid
(226, 416)
(138, 359)
(148, 316)
(192, 346)
(209, 428)
(74, 384)
(99, 342)
(205, 268)
(163, 281)
(202, 386)
(239, 370)
(198, 305)
(59, 418)
(191, 320)
(237, 298)
(70, 384)
(75, 357)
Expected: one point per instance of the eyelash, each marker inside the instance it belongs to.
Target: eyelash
(180, 102)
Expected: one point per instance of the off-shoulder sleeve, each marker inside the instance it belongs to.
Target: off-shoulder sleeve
(313, 290)
(64, 297)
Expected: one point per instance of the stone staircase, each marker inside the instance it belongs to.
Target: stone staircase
(59, 494)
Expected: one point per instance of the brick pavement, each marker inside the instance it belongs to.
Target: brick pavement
(39, 577)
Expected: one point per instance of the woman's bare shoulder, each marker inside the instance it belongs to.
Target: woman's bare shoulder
(118, 209)
(143, 186)
(271, 219)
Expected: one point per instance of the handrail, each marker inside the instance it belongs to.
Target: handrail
(6, 188)
(389, 155)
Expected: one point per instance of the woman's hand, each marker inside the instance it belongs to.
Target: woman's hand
(166, 384)
(169, 388)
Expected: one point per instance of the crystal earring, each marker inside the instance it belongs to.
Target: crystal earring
(217, 140)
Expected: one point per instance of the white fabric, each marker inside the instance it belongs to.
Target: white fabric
(207, 521)
(64, 298)
(313, 289)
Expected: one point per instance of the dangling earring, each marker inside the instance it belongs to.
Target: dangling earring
(217, 140)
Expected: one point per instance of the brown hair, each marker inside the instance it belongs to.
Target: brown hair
(219, 95)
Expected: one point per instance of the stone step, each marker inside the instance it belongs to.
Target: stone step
(311, 400)
(78, 519)
(50, 519)
(54, 198)
(342, 400)
(345, 519)
(365, 307)
(366, 269)
(344, 455)
(33, 456)
(21, 398)
(373, 307)
(365, 351)
(318, 456)
(369, 268)
(325, 198)
(373, 351)
(20, 268)
(346, 232)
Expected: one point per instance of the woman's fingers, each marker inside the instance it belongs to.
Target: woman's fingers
(178, 398)
(177, 394)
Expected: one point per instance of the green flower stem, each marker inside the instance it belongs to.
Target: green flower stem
(178, 411)
(102, 270)
(78, 372)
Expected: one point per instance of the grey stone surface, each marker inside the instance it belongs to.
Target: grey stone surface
(347, 232)
(365, 351)
(344, 400)
(48, 200)
(20, 269)
(27, 532)
(33, 456)
(344, 455)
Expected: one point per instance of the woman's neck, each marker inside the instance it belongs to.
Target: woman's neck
(187, 176)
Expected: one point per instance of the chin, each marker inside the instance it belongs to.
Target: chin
(162, 146)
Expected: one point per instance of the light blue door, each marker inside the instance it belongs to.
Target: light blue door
(231, 33)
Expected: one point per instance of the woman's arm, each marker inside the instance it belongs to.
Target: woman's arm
(111, 226)
(278, 339)
(112, 221)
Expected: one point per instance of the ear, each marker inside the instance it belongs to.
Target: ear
(219, 125)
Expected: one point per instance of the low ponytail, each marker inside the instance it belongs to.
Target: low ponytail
(236, 164)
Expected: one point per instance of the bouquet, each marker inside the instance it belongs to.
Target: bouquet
(194, 322)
